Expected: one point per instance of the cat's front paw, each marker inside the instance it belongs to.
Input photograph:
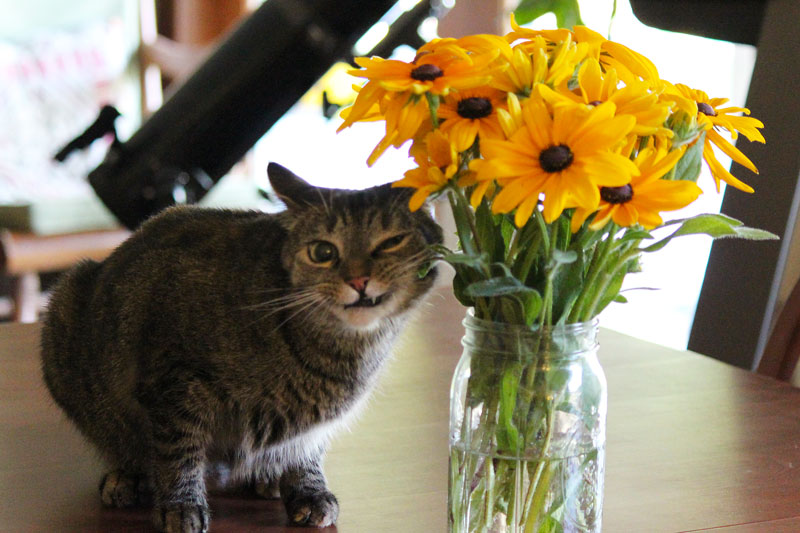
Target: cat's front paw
(119, 489)
(182, 518)
(319, 509)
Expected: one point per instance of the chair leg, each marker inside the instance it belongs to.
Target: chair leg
(25, 290)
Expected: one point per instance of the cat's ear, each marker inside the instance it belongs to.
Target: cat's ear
(290, 188)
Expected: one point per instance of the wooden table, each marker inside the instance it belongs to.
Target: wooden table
(693, 444)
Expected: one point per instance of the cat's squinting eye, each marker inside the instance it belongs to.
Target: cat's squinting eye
(322, 252)
(390, 244)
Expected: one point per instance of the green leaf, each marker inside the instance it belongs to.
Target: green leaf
(715, 226)
(612, 292)
(433, 107)
(567, 12)
(425, 269)
(689, 165)
(462, 224)
(620, 299)
(567, 284)
(501, 270)
(474, 260)
(460, 284)
(532, 301)
(499, 286)
(755, 234)
(484, 222)
(635, 235)
(564, 258)
(507, 228)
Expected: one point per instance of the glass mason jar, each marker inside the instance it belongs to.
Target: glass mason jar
(527, 429)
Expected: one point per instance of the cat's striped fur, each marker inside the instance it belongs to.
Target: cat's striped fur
(216, 340)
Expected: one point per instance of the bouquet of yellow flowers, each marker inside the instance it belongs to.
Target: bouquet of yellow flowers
(558, 151)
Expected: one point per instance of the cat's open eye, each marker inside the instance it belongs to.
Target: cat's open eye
(390, 244)
(322, 252)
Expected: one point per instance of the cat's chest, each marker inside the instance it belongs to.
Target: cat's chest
(251, 443)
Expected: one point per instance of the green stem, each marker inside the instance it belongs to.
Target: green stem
(537, 215)
(597, 267)
(606, 279)
(553, 239)
(538, 485)
(488, 465)
(460, 218)
(547, 301)
(470, 216)
(524, 266)
(512, 247)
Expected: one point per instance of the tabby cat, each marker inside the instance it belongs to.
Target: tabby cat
(236, 343)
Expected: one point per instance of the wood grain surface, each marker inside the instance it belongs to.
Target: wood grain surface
(693, 445)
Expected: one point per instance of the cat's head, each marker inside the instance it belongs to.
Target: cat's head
(354, 256)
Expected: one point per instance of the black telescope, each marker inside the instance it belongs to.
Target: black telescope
(242, 89)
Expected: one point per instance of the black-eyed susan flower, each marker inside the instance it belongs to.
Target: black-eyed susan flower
(596, 86)
(469, 114)
(366, 106)
(437, 163)
(404, 114)
(449, 67)
(647, 195)
(711, 117)
(533, 62)
(565, 157)
(630, 65)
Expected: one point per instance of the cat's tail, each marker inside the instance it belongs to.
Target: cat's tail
(63, 332)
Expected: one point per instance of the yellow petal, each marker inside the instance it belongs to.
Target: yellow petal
(590, 78)
(418, 198)
(515, 192)
(462, 133)
(718, 172)
(525, 210)
(439, 150)
(625, 215)
(730, 150)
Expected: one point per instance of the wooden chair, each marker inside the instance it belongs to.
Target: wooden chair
(782, 350)
(23, 256)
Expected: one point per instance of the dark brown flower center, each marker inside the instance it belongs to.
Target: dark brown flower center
(555, 158)
(426, 72)
(617, 195)
(474, 107)
(706, 109)
(595, 103)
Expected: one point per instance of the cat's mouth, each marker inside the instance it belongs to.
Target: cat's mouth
(363, 301)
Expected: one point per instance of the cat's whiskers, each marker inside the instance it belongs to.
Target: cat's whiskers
(298, 305)
(289, 295)
(309, 305)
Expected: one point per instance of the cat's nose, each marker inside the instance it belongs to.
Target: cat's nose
(359, 284)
